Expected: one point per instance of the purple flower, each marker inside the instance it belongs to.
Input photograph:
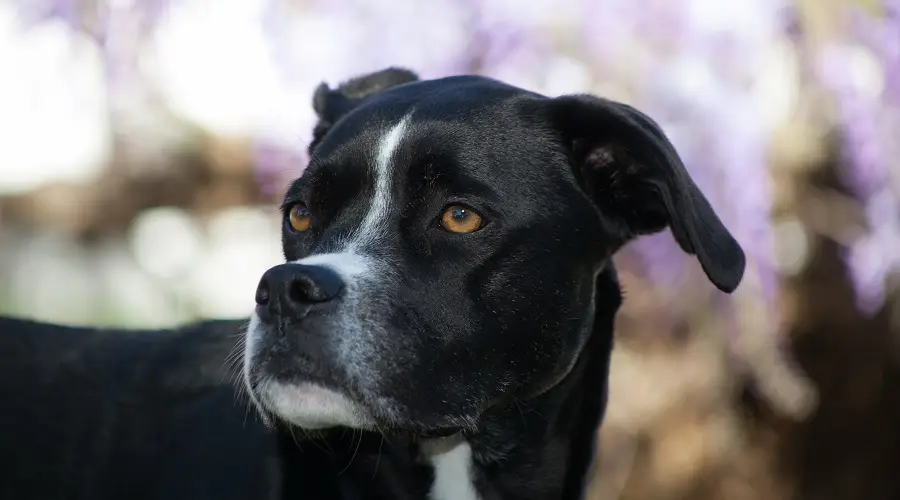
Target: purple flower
(862, 70)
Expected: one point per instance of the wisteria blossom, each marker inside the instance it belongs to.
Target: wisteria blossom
(861, 67)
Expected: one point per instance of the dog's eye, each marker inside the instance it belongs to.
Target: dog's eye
(298, 216)
(459, 219)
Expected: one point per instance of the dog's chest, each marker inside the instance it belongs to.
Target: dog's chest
(451, 459)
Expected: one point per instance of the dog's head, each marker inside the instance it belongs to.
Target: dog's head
(443, 245)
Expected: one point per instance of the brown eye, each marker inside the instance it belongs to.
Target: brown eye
(299, 217)
(459, 219)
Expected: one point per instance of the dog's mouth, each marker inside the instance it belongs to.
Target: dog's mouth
(316, 405)
(308, 392)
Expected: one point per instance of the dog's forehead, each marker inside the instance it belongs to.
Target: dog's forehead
(474, 124)
(468, 100)
(448, 98)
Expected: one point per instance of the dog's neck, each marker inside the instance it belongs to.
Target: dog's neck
(535, 449)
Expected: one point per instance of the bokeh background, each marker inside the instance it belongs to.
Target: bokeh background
(145, 144)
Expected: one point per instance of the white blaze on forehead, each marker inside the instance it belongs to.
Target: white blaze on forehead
(381, 200)
(350, 262)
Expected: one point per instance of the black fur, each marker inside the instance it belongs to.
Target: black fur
(500, 338)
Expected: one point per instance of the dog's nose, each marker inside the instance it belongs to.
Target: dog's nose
(298, 285)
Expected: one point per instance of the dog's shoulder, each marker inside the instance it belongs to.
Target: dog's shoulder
(113, 413)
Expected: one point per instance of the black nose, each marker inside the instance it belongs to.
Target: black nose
(298, 285)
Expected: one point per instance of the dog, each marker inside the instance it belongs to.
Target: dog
(441, 327)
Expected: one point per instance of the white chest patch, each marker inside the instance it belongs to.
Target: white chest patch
(451, 459)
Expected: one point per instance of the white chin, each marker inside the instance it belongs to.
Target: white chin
(311, 406)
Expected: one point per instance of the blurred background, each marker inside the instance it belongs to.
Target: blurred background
(146, 143)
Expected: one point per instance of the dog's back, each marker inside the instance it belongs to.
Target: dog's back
(96, 414)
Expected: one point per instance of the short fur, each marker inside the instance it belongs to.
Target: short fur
(418, 356)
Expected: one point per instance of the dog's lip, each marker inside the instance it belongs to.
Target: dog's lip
(311, 384)
(295, 378)
(306, 383)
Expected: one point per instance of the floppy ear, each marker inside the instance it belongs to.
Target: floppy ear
(331, 104)
(634, 175)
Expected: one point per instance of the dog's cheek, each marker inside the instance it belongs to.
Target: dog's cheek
(525, 306)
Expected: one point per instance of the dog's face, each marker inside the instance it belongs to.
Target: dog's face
(443, 244)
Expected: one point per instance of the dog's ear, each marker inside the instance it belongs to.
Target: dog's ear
(631, 170)
(331, 104)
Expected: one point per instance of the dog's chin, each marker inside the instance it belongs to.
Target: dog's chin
(311, 406)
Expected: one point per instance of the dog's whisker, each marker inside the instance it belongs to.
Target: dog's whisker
(353, 456)
(242, 397)
(528, 409)
(232, 371)
(518, 404)
(236, 353)
(240, 332)
(312, 437)
(328, 445)
(378, 456)
(315, 438)
(298, 443)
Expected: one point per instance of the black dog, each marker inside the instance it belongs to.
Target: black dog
(443, 324)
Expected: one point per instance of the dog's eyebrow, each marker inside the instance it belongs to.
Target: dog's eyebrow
(480, 189)
(442, 175)
(467, 186)
(296, 187)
